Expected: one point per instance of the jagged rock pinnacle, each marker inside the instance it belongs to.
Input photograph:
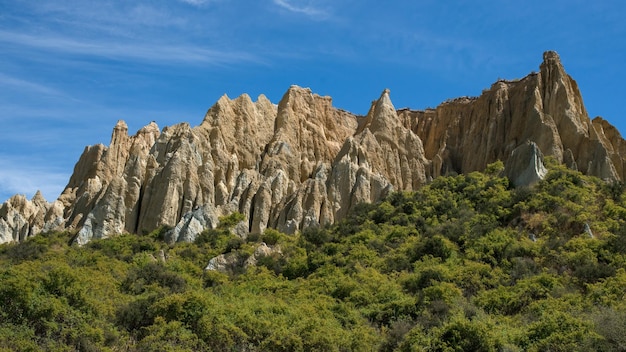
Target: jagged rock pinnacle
(304, 162)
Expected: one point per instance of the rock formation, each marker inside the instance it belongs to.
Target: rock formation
(233, 262)
(304, 162)
(466, 134)
(525, 166)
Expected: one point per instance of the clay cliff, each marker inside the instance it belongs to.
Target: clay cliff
(466, 134)
(304, 162)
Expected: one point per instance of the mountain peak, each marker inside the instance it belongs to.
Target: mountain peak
(382, 116)
(551, 56)
(552, 70)
(304, 162)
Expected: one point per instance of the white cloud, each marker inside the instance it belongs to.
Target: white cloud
(119, 17)
(195, 2)
(142, 52)
(14, 83)
(305, 9)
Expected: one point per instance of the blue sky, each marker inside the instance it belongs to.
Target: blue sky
(69, 69)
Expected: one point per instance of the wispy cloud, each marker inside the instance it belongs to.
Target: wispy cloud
(196, 2)
(116, 17)
(305, 9)
(14, 83)
(143, 52)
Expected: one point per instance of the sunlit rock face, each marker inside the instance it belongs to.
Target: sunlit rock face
(546, 108)
(303, 162)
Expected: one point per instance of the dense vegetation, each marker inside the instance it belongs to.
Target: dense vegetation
(467, 263)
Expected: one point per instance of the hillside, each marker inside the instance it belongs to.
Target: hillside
(465, 263)
(303, 162)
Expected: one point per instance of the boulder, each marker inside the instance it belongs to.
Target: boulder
(525, 166)
(234, 262)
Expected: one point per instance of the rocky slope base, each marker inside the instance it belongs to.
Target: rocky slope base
(305, 162)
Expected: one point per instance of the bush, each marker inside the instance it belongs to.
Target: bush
(464, 335)
(436, 246)
(140, 279)
(448, 267)
(272, 237)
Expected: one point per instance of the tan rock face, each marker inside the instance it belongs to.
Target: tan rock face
(304, 162)
(21, 218)
(253, 157)
(546, 108)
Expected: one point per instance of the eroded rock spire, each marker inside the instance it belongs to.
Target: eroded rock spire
(303, 162)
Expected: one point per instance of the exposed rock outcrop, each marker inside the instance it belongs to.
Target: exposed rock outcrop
(233, 262)
(192, 224)
(21, 218)
(304, 162)
(546, 107)
(525, 166)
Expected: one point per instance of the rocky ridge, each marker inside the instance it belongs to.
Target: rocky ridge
(304, 162)
(545, 107)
